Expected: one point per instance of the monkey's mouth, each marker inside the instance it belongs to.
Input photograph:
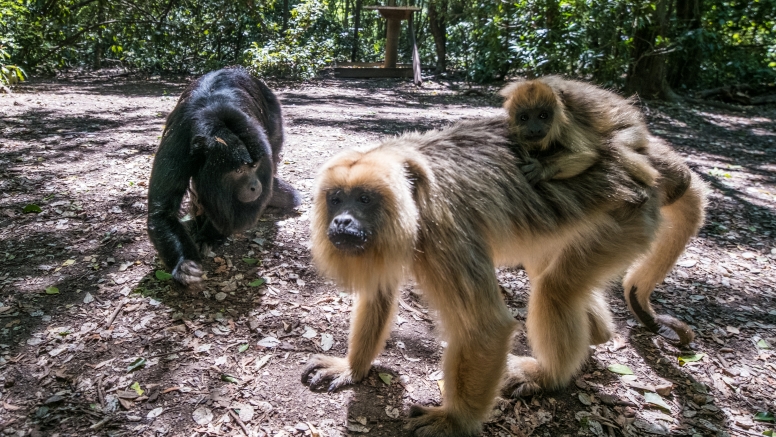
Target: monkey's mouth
(350, 242)
(533, 138)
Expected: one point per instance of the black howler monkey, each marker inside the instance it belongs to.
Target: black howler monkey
(222, 142)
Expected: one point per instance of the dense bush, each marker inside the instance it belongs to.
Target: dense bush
(704, 43)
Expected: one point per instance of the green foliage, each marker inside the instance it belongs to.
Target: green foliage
(9, 74)
(731, 41)
(303, 49)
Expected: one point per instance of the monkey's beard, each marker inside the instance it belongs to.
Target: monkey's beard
(350, 242)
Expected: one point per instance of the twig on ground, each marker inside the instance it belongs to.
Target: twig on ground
(239, 422)
(116, 312)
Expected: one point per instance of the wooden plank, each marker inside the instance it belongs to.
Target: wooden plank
(373, 72)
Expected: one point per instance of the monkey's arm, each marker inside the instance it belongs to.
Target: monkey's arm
(169, 181)
(562, 165)
(369, 328)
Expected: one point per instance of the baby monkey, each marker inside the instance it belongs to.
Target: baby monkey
(564, 125)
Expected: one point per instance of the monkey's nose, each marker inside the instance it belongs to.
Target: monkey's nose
(343, 220)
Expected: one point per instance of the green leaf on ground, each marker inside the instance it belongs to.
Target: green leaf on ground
(250, 261)
(32, 208)
(764, 416)
(762, 344)
(256, 283)
(163, 276)
(684, 359)
(243, 348)
(386, 377)
(52, 290)
(229, 378)
(620, 369)
(136, 387)
(655, 399)
(137, 364)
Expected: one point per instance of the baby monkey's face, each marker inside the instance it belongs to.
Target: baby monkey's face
(533, 124)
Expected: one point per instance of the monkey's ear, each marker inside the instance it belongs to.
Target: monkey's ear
(198, 144)
(421, 178)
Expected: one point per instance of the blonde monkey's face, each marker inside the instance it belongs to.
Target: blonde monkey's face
(352, 213)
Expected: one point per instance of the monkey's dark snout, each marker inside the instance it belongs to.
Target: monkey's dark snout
(346, 233)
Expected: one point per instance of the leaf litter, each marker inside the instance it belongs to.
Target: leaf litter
(198, 370)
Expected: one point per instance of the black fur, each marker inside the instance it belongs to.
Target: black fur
(224, 120)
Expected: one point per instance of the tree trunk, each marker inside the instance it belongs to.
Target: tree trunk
(98, 47)
(285, 15)
(437, 10)
(356, 24)
(684, 65)
(647, 71)
(347, 12)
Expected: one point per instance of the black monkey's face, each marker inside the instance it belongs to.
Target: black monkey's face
(245, 182)
(352, 218)
(534, 123)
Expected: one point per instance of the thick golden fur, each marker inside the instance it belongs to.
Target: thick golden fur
(586, 119)
(454, 207)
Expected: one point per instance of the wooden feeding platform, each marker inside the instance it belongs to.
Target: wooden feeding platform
(371, 70)
(388, 68)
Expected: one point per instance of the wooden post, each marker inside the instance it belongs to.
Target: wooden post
(392, 42)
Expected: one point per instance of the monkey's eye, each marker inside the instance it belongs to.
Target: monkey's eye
(335, 200)
(239, 170)
(524, 117)
(543, 115)
(254, 165)
(364, 199)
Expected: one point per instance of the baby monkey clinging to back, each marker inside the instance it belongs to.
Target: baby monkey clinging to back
(564, 124)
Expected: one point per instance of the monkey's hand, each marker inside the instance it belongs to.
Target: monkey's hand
(438, 422)
(533, 171)
(188, 273)
(522, 377)
(337, 371)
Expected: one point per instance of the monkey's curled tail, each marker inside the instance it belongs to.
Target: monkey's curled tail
(680, 221)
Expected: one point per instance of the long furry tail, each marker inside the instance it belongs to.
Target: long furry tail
(681, 220)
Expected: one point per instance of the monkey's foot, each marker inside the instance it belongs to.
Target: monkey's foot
(188, 273)
(337, 371)
(437, 422)
(522, 378)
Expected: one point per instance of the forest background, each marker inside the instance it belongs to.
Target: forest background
(655, 48)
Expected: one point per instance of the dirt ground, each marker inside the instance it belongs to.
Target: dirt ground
(92, 342)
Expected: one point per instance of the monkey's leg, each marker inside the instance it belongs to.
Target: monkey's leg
(681, 220)
(369, 327)
(478, 328)
(566, 313)
(567, 164)
(284, 196)
(600, 319)
(206, 236)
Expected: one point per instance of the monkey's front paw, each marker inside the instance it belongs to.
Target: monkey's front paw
(437, 422)
(522, 377)
(533, 171)
(322, 368)
(188, 273)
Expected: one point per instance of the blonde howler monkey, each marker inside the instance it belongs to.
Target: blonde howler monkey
(447, 207)
(565, 124)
